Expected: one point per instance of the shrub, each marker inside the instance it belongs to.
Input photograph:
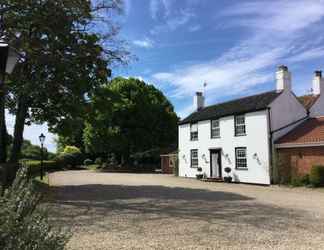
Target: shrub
(34, 166)
(71, 150)
(305, 180)
(98, 161)
(65, 159)
(87, 162)
(22, 224)
(316, 176)
(296, 181)
(228, 170)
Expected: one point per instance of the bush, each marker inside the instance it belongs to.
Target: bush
(34, 166)
(98, 161)
(67, 159)
(316, 176)
(87, 162)
(71, 150)
(22, 224)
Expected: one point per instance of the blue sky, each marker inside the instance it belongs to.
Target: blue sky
(234, 46)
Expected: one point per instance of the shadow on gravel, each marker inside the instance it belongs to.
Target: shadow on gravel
(88, 205)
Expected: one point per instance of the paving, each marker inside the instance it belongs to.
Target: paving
(154, 211)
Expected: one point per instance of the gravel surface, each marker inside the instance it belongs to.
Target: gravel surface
(147, 211)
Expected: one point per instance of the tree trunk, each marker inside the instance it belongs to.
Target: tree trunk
(19, 129)
(3, 129)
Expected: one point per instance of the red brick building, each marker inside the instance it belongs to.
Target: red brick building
(168, 162)
(301, 148)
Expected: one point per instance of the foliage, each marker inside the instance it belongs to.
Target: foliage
(129, 116)
(98, 161)
(35, 165)
(87, 162)
(30, 151)
(69, 160)
(71, 150)
(22, 224)
(316, 176)
(228, 170)
(62, 61)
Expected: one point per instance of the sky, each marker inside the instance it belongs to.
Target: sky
(233, 46)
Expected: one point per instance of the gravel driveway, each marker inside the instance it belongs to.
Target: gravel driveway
(147, 211)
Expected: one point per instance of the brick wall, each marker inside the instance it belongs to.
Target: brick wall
(298, 161)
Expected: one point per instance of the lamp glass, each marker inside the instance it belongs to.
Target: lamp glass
(42, 138)
(11, 60)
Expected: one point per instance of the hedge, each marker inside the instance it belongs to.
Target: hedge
(316, 176)
(35, 166)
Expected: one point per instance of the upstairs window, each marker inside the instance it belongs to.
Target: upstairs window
(194, 132)
(194, 158)
(240, 125)
(240, 158)
(215, 130)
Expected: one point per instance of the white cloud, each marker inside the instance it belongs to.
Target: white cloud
(160, 6)
(278, 32)
(145, 43)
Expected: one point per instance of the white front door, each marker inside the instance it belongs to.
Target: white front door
(215, 164)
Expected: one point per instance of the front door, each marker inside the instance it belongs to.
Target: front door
(215, 164)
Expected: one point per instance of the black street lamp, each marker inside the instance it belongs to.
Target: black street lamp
(42, 140)
(8, 59)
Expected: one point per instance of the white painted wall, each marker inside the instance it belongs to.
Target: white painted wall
(285, 110)
(318, 108)
(256, 141)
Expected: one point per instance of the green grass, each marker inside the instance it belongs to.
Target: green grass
(93, 167)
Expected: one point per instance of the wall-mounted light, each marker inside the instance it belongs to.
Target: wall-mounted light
(203, 156)
(226, 156)
(256, 157)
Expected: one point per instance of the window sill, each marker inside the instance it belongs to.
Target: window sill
(215, 137)
(193, 139)
(240, 135)
(193, 166)
(244, 169)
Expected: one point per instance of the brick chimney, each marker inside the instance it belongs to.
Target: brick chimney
(318, 83)
(199, 101)
(283, 78)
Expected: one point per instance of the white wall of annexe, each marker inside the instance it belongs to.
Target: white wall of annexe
(256, 141)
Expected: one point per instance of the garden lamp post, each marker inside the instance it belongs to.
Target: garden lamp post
(42, 140)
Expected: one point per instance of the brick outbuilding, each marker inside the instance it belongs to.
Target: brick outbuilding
(301, 148)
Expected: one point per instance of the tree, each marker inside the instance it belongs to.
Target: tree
(129, 116)
(62, 60)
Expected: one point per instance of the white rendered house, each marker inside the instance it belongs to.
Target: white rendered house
(239, 134)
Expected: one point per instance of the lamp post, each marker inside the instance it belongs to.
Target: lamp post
(42, 140)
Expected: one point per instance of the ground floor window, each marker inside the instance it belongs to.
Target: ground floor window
(194, 158)
(240, 158)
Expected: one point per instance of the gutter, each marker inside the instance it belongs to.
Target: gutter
(299, 145)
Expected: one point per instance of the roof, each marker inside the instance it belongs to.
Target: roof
(237, 106)
(309, 132)
(308, 100)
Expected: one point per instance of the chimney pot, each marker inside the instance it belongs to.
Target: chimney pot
(283, 68)
(318, 73)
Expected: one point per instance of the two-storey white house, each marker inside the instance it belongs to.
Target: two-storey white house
(239, 134)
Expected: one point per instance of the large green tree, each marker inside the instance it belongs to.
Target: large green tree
(64, 58)
(129, 116)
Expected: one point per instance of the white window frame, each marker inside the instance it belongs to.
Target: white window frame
(194, 131)
(194, 160)
(240, 125)
(241, 158)
(215, 130)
